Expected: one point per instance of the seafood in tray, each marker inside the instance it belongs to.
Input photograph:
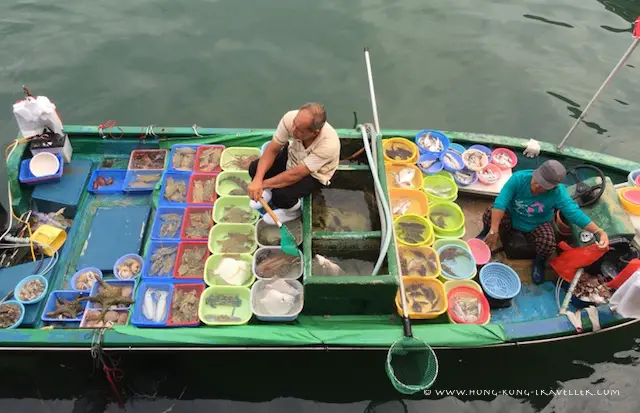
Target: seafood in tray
(155, 306)
(411, 231)
(85, 280)
(231, 269)
(170, 224)
(398, 152)
(401, 206)
(184, 304)
(31, 290)
(404, 177)
(183, 158)
(198, 223)
(475, 159)
(142, 180)
(489, 175)
(430, 142)
(148, 159)
(95, 319)
(465, 177)
(240, 162)
(593, 289)
(203, 189)
(271, 263)
(421, 262)
(225, 305)
(234, 241)
(191, 260)
(112, 295)
(208, 158)
(451, 161)
(269, 235)
(423, 298)
(70, 309)
(162, 262)
(175, 190)
(503, 159)
(129, 268)
(10, 313)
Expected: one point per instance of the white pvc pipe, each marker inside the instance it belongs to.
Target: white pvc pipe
(372, 91)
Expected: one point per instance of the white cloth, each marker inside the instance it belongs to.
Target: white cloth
(626, 300)
(533, 148)
(34, 114)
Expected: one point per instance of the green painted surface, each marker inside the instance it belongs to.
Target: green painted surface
(309, 330)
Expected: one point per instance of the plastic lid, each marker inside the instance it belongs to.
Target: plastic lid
(461, 293)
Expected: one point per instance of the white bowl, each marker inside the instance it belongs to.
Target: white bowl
(44, 164)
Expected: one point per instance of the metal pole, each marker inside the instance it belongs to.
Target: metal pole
(572, 286)
(374, 105)
(597, 95)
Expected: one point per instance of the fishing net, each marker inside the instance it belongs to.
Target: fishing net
(411, 365)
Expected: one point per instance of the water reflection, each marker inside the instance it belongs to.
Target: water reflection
(545, 20)
(575, 112)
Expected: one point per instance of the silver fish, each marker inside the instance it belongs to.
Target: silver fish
(430, 142)
(451, 161)
(402, 206)
(503, 159)
(404, 178)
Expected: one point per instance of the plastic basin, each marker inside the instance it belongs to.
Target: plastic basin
(395, 176)
(439, 188)
(148, 264)
(504, 151)
(630, 207)
(261, 288)
(459, 295)
(183, 249)
(51, 305)
(484, 159)
(138, 318)
(269, 235)
(180, 168)
(413, 230)
(439, 243)
(231, 156)
(440, 300)
(26, 177)
(399, 150)
(634, 177)
(158, 221)
(456, 263)
(200, 168)
(24, 281)
(224, 204)
(44, 164)
(415, 202)
(415, 261)
(192, 213)
(177, 179)
(122, 260)
(72, 282)
(429, 163)
(233, 307)
(178, 289)
(117, 175)
(460, 182)
(446, 217)
(436, 134)
(499, 281)
(221, 232)
(481, 251)
(451, 236)
(162, 153)
(227, 183)
(294, 272)
(484, 149)
(141, 180)
(451, 284)
(201, 180)
(214, 260)
(22, 310)
(484, 178)
(451, 161)
(125, 284)
(456, 147)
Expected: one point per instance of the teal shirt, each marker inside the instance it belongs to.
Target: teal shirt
(528, 210)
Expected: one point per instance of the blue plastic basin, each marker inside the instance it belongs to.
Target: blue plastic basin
(443, 138)
(499, 281)
(137, 318)
(22, 310)
(26, 280)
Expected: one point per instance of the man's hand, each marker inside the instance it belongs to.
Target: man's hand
(492, 240)
(254, 189)
(604, 240)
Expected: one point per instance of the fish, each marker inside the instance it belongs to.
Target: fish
(451, 161)
(475, 159)
(397, 152)
(404, 178)
(331, 267)
(430, 142)
(427, 164)
(503, 159)
(439, 191)
(402, 206)
(464, 177)
(489, 176)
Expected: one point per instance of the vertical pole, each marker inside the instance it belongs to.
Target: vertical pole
(372, 91)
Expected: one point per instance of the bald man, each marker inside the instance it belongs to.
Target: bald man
(302, 156)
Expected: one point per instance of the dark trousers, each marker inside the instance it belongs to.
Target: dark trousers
(543, 236)
(288, 196)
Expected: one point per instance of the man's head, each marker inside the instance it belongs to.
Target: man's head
(309, 121)
(547, 176)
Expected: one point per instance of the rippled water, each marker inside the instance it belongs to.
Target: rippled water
(513, 68)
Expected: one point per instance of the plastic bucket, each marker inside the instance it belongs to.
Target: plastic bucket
(212, 263)
(447, 218)
(629, 206)
(499, 281)
(224, 204)
(439, 188)
(484, 149)
(24, 281)
(633, 176)
(416, 221)
(465, 292)
(397, 172)
(484, 159)
(408, 201)
(436, 134)
(451, 161)
(509, 153)
(417, 253)
(429, 163)
(456, 147)
(450, 236)
(220, 232)
(257, 292)
(432, 283)
(399, 151)
(493, 169)
(451, 284)
(460, 182)
(236, 313)
(22, 310)
(231, 157)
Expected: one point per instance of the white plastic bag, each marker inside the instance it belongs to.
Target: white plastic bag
(626, 299)
(34, 114)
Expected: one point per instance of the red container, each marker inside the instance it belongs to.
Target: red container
(509, 152)
(201, 177)
(182, 248)
(187, 222)
(493, 168)
(196, 164)
(199, 288)
(468, 292)
(152, 152)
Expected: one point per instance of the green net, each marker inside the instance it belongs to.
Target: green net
(411, 365)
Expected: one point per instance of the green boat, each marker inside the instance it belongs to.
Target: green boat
(350, 311)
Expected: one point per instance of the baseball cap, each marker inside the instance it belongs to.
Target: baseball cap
(550, 174)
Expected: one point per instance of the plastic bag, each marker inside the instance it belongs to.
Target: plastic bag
(35, 114)
(571, 259)
(627, 298)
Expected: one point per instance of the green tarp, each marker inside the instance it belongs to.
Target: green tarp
(361, 331)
